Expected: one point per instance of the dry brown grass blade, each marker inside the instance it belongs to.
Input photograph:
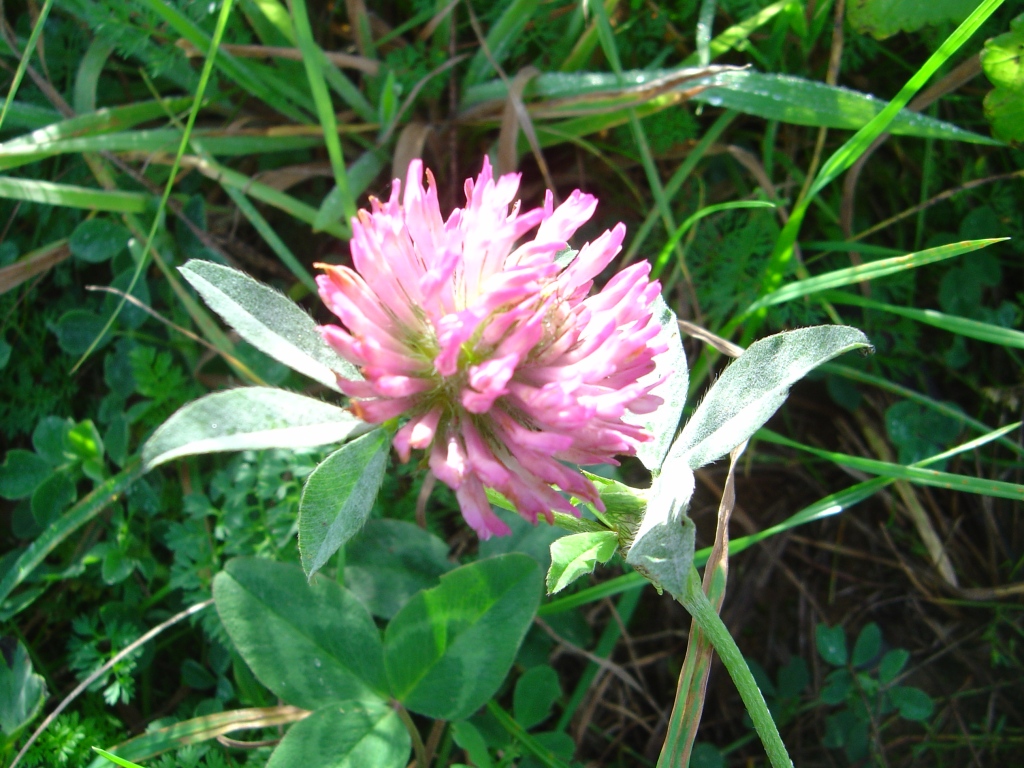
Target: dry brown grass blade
(514, 100)
(408, 147)
(33, 264)
(912, 505)
(724, 346)
(213, 727)
(508, 136)
(343, 60)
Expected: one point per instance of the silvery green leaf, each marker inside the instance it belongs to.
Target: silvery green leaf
(753, 387)
(268, 320)
(248, 418)
(663, 422)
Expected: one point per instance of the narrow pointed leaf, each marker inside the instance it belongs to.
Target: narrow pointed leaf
(754, 386)
(268, 320)
(248, 418)
(338, 497)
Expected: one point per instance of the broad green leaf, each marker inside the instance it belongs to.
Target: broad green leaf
(449, 649)
(536, 692)
(912, 703)
(97, 240)
(663, 422)
(837, 686)
(83, 442)
(248, 418)
(892, 664)
(268, 320)
(469, 738)
(48, 438)
(345, 735)
(53, 496)
(338, 497)
(21, 473)
(1002, 59)
(753, 387)
(389, 561)
(77, 329)
(22, 691)
(868, 645)
(577, 555)
(884, 18)
(831, 643)
(312, 644)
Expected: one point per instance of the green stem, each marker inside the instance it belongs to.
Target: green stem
(711, 624)
(418, 747)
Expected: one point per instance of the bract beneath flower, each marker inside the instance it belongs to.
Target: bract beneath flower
(500, 362)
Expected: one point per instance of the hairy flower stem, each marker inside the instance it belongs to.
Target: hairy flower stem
(707, 620)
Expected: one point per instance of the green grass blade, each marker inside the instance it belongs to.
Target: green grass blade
(29, 116)
(267, 194)
(165, 140)
(682, 173)
(87, 78)
(72, 196)
(798, 101)
(204, 79)
(705, 21)
(737, 34)
(19, 73)
(939, 407)
(848, 153)
(101, 121)
(661, 261)
(270, 237)
(864, 272)
(60, 529)
(500, 38)
(312, 58)
(914, 474)
(962, 326)
(259, 80)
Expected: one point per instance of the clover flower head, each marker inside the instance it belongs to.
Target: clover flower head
(489, 347)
